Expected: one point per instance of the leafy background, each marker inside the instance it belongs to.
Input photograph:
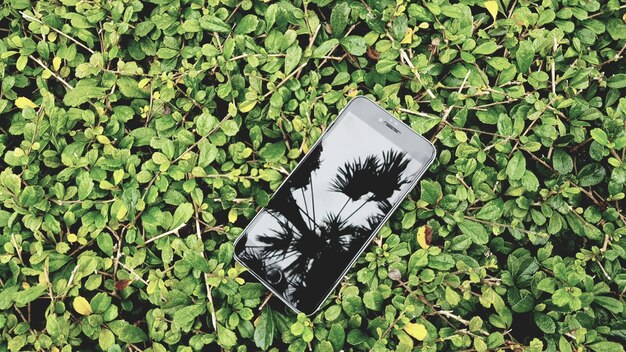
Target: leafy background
(139, 138)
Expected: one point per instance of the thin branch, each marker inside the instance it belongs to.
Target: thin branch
(167, 233)
(45, 67)
(31, 18)
(134, 273)
(417, 75)
(69, 282)
(209, 293)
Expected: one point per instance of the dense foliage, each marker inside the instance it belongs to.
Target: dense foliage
(137, 139)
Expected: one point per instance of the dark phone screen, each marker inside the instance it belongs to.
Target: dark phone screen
(327, 210)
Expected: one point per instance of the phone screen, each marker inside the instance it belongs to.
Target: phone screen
(325, 213)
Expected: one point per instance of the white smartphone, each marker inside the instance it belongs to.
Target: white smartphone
(332, 205)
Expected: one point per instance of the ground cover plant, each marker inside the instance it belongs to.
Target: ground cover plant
(138, 138)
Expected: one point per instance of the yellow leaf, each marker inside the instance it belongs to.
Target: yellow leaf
(424, 236)
(492, 7)
(408, 36)
(81, 306)
(232, 215)
(418, 331)
(144, 82)
(23, 102)
(247, 105)
(56, 63)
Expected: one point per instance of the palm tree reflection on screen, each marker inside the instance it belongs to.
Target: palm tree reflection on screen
(311, 250)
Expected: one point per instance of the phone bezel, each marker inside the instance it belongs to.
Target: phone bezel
(371, 113)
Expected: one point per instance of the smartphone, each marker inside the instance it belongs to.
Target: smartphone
(331, 206)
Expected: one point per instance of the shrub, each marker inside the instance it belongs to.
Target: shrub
(139, 138)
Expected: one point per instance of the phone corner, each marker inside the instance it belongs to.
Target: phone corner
(433, 152)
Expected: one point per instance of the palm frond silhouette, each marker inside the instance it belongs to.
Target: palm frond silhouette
(279, 240)
(389, 176)
(310, 251)
(354, 178)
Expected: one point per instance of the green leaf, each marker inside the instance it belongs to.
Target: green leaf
(182, 215)
(355, 45)
(197, 261)
(600, 136)
(81, 95)
(486, 48)
(126, 332)
(292, 58)
(430, 191)
(273, 152)
(491, 211)
(606, 346)
(185, 317)
(613, 305)
(525, 55)
(325, 48)
(100, 303)
(339, 18)
(340, 79)
(591, 175)
(31, 195)
(226, 337)
(247, 24)
(545, 323)
(106, 339)
(475, 231)
(617, 81)
(230, 128)
(521, 301)
(385, 66)
(516, 167)
(264, 331)
(30, 294)
(129, 87)
(105, 243)
(337, 336)
(214, 24)
(562, 162)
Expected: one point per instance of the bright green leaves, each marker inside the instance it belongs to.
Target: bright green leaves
(562, 161)
(273, 152)
(516, 166)
(475, 231)
(324, 48)
(186, 116)
(31, 195)
(129, 87)
(591, 175)
(601, 137)
(355, 45)
(127, 332)
(183, 213)
(247, 24)
(524, 55)
(214, 24)
(264, 331)
(230, 127)
(82, 94)
(486, 48)
(430, 191)
(292, 58)
(617, 81)
(339, 18)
